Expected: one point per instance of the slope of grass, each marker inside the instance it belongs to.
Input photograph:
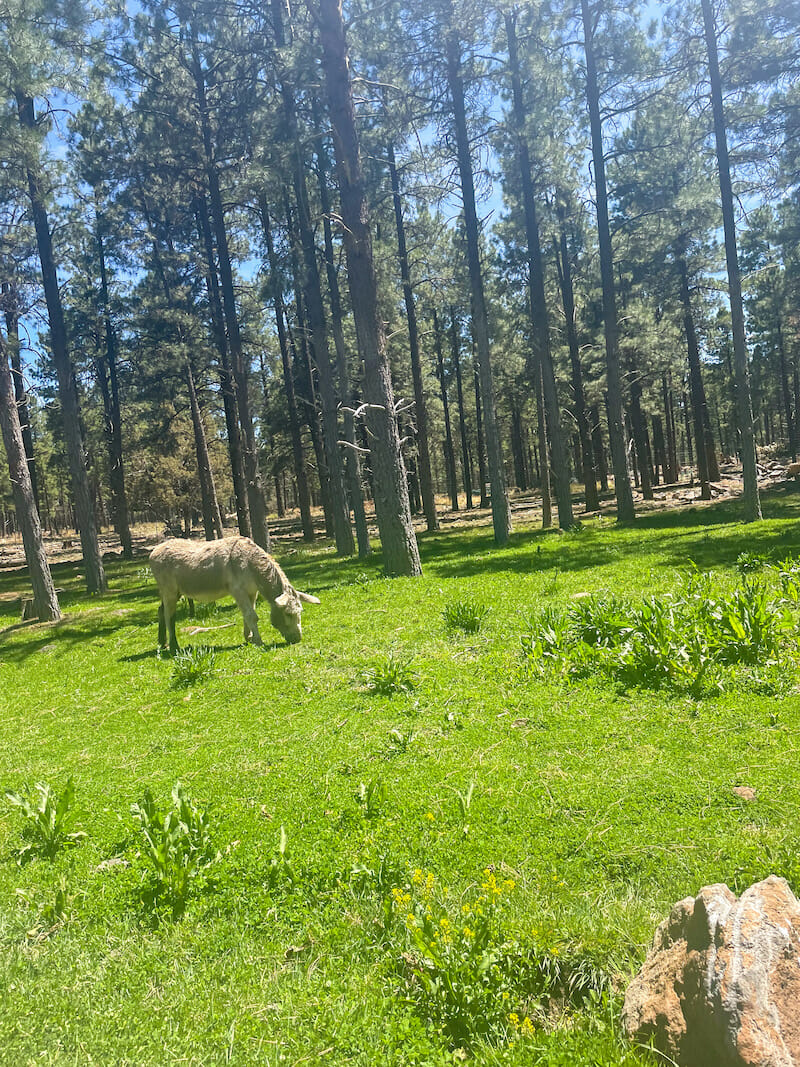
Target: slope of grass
(593, 807)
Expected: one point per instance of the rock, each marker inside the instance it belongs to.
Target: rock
(721, 985)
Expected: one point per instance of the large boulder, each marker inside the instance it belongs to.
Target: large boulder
(721, 985)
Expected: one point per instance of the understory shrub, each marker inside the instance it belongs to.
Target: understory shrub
(48, 819)
(697, 638)
(177, 846)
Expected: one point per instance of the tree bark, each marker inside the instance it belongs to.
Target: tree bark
(423, 447)
(400, 551)
(67, 390)
(622, 484)
(501, 513)
(559, 464)
(744, 404)
(44, 594)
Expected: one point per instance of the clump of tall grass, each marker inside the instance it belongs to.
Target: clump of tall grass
(467, 615)
(389, 675)
(192, 665)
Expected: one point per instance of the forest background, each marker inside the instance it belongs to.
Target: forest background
(255, 259)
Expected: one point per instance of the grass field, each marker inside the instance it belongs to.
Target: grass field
(422, 847)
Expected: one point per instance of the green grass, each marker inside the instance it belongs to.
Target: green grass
(602, 805)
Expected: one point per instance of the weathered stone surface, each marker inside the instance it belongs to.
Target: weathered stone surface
(721, 985)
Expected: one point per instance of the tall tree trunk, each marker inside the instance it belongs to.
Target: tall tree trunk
(687, 427)
(423, 447)
(212, 520)
(669, 424)
(559, 464)
(255, 487)
(449, 452)
(659, 449)
(303, 376)
(113, 412)
(598, 447)
(517, 448)
(352, 458)
(315, 310)
(400, 551)
(699, 413)
(456, 357)
(304, 371)
(226, 379)
(616, 435)
(787, 403)
(329, 402)
(480, 442)
(568, 301)
(44, 594)
(543, 452)
(67, 390)
(10, 300)
(744, 406)
(303, 496)
(501, 512)
(639, 427)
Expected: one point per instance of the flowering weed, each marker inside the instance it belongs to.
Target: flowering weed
(463, 972)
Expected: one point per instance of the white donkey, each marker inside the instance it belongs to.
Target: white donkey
(234, 566)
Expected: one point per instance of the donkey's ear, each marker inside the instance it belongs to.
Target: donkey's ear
(307, 598)
(283, 600)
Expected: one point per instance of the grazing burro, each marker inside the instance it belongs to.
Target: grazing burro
(211, 570)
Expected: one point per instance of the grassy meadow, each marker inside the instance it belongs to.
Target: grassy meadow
(407, 840)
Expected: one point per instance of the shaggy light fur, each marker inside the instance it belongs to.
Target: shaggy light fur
(211, 570)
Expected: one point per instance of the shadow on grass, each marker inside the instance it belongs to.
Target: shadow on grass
(219, 650)
(73, 630)
(678, 537)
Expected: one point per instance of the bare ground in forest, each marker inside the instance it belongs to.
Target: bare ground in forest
(526, 509)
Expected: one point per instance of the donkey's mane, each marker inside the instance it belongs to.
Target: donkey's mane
(273, 577)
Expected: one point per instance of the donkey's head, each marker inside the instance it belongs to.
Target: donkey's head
(286, 611)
